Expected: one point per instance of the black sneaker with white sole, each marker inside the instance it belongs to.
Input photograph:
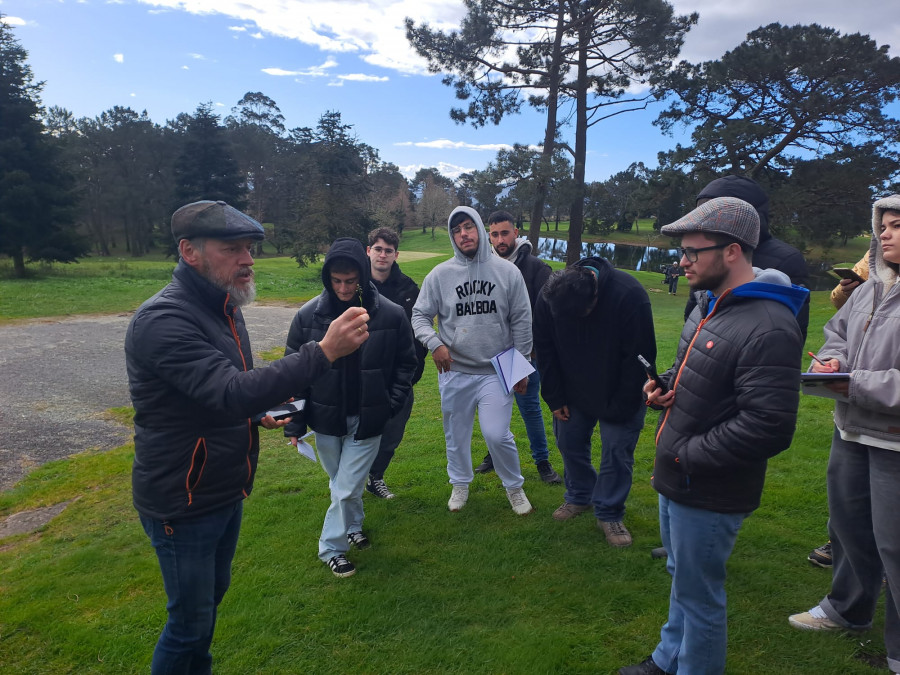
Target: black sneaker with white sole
(378, 488)
(340, 566)
(821, 556)
(359, 540)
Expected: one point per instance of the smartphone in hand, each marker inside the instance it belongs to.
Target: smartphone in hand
(286, 409)
(652, 374)
(846, 273)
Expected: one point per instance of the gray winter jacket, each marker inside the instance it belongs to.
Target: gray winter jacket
(864, 336)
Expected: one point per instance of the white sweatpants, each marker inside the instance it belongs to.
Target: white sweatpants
(461, 395)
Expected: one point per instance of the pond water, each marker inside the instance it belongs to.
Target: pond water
(651, 258)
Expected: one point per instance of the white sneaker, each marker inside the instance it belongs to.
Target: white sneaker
(519, 501)
(458, 497)
(814, 619)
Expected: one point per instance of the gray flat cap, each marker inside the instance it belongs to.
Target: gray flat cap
(216, 220)
(722, 215)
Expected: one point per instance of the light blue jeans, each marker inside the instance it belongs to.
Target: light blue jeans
(608, 488)
(698, 542)
(529, 405)
(347, 462)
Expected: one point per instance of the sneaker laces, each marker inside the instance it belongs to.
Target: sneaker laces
(616, 527)
(380, 488)
(516, 496)
(818, 613)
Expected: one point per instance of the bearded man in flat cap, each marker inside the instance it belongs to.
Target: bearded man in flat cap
(730, 404)
(198, 406)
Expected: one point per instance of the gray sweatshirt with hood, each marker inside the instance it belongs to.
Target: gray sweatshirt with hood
(481, 304)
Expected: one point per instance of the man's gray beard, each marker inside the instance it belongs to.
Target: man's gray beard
(239, 296)
(243, 296)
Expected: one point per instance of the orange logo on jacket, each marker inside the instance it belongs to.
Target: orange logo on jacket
(709, 345)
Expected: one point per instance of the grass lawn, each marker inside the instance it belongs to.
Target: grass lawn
(479, 591)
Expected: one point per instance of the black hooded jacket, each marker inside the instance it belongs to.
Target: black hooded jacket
(770, 253)
(386, 361)
(591, 363)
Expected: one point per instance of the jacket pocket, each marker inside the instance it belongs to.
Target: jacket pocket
(195, 471)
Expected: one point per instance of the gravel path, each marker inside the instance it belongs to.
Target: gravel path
(60, 375)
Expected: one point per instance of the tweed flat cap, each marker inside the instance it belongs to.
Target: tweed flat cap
(723, 215)
(216, 220)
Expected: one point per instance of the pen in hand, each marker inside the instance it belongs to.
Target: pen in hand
(821, 363)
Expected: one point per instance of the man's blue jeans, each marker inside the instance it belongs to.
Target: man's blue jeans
(698, 542)
(529, 405)
(195, 557)
(608, 488)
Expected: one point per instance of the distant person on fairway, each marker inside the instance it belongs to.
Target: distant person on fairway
(197, 404)
(349, 405)
(482, 309)
(383, 251)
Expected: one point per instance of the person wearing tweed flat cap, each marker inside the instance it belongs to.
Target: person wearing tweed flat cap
(730, 403)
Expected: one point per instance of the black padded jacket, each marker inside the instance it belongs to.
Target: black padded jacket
(736, 380)
(196, 395)
(386, 361)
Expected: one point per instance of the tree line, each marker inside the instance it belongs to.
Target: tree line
(800, 109)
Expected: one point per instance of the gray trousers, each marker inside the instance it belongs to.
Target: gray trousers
(391, 437)
(863, 503)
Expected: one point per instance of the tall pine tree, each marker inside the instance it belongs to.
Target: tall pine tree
(206, 168)
(36, 198)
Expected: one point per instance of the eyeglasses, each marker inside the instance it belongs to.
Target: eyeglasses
(387, 251)
(465, 227)
(691, 253)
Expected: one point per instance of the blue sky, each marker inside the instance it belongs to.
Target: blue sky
(168, 56)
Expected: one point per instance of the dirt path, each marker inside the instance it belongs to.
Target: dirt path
(60, 375)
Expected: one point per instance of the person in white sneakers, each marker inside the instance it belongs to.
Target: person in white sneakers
(864, 464)
(482, 308)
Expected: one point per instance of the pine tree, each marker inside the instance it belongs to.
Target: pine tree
(206, 168)
(36, 198)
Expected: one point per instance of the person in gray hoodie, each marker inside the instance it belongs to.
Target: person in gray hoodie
(864, 465)
(482, 308)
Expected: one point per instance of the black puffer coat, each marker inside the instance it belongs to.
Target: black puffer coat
(736, 382)
(190, 372)
(386, 361)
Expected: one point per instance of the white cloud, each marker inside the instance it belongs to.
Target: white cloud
(724, 25)
(185, 68)
(446, 144)
(133, 95)
(13, 21)
(257, 36)
(119, 58)
(452, 171)
(198, 57)
(360, 77)
(374, 30)
(312, 71)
